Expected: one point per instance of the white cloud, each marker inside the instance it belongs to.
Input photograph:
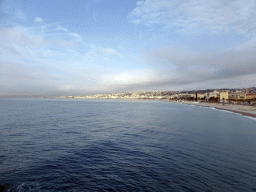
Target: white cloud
(128, 77)
(66, 87)
(92, 55)
(71, 34)
(38, 40)
(63, 43)
(20, 15)
(98, 53)
(38, 19)
(13, 9)
(110, 51)
(60, 28)
(78, 37)
(198, 15)
(14, 41)
(247, 45)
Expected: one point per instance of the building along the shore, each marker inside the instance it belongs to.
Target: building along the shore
(212, 96)
(250, 96)
(186, 96)
(200, 96)
(174, 96)
(237, 95)
(224, 96)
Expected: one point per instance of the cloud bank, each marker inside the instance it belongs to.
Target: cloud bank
(188, 68)
(198, 15)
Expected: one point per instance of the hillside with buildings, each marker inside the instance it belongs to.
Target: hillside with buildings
(209, 95)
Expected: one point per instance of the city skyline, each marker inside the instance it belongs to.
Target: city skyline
(84, 48)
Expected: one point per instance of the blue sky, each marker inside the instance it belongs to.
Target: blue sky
(74, 47)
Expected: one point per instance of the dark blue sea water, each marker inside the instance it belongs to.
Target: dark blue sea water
(120, 145)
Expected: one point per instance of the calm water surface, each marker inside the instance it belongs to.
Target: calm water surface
(119, 145)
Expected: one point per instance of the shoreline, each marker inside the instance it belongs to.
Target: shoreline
(239, 112)
(249, 111)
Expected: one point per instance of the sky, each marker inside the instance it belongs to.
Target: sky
(75, 47)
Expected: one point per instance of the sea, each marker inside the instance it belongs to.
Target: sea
(123, 145)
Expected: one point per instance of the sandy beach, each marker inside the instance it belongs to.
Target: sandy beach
(242, 109)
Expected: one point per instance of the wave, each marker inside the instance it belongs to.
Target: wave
(253, 118)
(23, 187)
